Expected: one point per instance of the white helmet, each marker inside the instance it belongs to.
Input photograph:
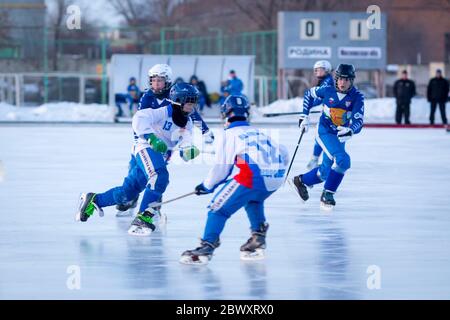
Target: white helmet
(161, 70)
(323, 64)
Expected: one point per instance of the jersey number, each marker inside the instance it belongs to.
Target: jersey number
(167, 125)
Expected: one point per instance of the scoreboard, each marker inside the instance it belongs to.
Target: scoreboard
(339, 37)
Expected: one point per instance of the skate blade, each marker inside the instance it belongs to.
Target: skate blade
(139, 231)
(258, 254)
(82, 197)
(326, 207)
(294, 189)
(201, 261)
(162, 217)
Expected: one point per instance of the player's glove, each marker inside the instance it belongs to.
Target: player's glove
(157, 144)
(209, 137)
(344, 133)
(303, 122)
(189, 153)
(201, 190)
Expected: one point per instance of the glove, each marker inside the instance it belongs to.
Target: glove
(209, 137)
(201, 190)
(303, 122)
(157, 144)
(344, 133)
(189, 153)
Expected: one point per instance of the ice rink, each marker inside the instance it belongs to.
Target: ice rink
(392, 216)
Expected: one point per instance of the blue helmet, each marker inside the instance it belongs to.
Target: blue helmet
(235, 106)
(183, 92)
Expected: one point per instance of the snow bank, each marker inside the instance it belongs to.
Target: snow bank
(380, 110)
(58, 112)
(376, 111)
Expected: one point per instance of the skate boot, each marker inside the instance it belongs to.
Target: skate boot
(253, 249)
(125, 209)
(301, 188)
(313, 163)
(142, 225)
(87, 207)
(327, 202)
(200, 255)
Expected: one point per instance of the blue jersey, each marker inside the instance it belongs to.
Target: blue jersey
(149, 100)
(339, 109)
(312, 102)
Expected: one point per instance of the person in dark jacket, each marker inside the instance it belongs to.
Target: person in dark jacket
(437, 94)
(404, 90)
(204, 97)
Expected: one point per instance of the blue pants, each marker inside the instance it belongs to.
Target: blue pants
(149, 173)
(335, 163)
(231, 197)
(317, 150)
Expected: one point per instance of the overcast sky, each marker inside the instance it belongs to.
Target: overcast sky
(98, 9)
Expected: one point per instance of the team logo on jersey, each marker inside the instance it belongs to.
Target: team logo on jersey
(331, 100)
(348, 103)
(338, 116)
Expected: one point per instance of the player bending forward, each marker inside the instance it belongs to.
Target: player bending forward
(342, 117)
(262, 165)
(158, 132)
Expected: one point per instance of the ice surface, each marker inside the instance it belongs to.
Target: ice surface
(393, 211)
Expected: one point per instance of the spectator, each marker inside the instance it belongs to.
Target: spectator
(204, 97)
(131, 97)
(179, 80)
(404, 90)
(437, 94)
(235, 84)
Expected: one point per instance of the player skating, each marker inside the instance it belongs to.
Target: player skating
(322, 71)
(262, 164)
(160, 81)
(342, 117)
(158, 132)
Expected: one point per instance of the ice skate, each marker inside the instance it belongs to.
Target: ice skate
(254, 248)
(142, 225)
(313, 163)
(200, 255)
(301, 188)
(126, 209)
(327, 202)
(87, 207)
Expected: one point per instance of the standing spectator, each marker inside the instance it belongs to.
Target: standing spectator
(437, 94)
(235, 85)
(404, 90)
(204, 97)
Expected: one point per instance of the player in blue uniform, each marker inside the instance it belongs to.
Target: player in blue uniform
(262, 163)
(322, 71)
(158, 132)
(342, 117)
(160, 81)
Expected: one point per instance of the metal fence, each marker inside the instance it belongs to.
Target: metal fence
(38, 47)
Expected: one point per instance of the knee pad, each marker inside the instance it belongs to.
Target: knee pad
(342, 162)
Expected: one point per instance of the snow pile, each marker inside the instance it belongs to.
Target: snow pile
(58, 112)
(380, 110)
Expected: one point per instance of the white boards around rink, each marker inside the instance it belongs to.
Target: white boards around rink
(211, 69)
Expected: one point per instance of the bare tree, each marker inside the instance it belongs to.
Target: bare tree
(56, 19)
(145, 16)
(264, 12)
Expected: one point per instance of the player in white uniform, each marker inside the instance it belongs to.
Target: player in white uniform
(262, 164)
(157, 132)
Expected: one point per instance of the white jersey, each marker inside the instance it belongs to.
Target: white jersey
(159, 121)
(261, 161)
